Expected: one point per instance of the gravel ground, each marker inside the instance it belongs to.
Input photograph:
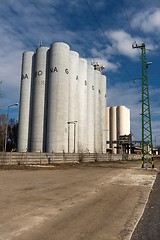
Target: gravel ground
(90, 201)
(149, 225)
(96, 201)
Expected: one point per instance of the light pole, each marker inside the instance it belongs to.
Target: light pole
(6, 135)
(72, 122)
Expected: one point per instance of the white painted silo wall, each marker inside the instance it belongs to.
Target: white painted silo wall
(123, 121)
(107, 127)
(97, 112)
(128, 128)
(82, 106)
(58, 84)
(90, 108)
(73, 100)
(103, 112)
(24, 111)
(113, 127)
(38, 102)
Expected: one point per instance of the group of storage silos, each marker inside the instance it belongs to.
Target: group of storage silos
(118, 128)
(62, 102)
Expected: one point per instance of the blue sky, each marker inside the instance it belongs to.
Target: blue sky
(103, 32)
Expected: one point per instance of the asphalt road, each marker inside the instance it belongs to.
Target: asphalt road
(148, 227)
(81, 202)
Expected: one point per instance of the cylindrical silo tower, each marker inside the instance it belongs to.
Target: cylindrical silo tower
(103, 112)
(90, 108)
(24, 112)
(73, 102)
(113, 128)
(58, 84)
(82, 106)
(121, 121)
(38, 102)
(107, 127)
(97, 112)
(128, 127)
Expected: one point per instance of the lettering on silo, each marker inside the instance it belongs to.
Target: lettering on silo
(52, 70)
(24, 76)
(66, 70)
(38, 73)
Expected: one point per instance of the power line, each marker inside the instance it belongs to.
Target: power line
(130, 28)
(106, 36)
(96, 20)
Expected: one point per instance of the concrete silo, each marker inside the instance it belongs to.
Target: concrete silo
(63, 108)
(90, 108)
(128, 122)
(24, 112)
(58, 84)
(113, 128)
(73, 102)
(38, 102)
(103, 112)
(123, 121)
(107, 127)
(97, 112)
(82, 106)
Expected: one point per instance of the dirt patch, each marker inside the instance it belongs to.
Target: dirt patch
(88, 201)
(65, 166)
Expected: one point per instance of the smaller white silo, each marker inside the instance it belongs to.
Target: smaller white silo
(113, 128)
(90, 108)
(123, 121)
(25, 93)
(128, 122)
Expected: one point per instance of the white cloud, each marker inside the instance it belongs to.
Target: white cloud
(148, 21)
(122, 43)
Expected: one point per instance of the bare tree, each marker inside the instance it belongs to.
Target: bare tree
(12, 135)
(3, 126)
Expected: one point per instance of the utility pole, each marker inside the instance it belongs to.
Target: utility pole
(147, 146)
